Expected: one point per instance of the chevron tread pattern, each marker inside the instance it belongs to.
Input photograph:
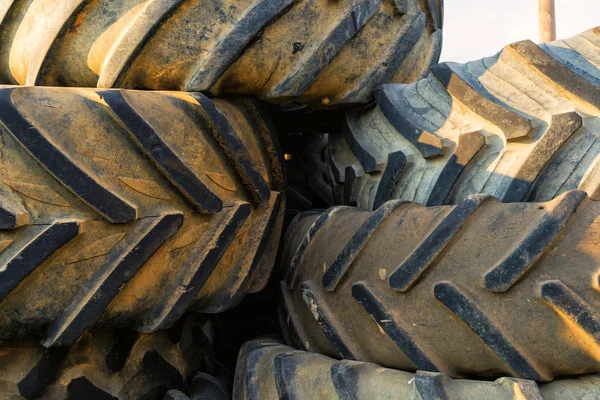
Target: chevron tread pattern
(312, 51)
(112, 364)
(506, 281)
(521, 126)
(117, 216)
(268, 369)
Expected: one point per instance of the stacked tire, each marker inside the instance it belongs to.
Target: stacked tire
(311, 51)
(144, 189)
(111, 221)
(142, 186)
(464, 249)
(518, 126)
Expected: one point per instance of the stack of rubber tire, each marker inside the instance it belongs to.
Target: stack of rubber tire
(442, 229)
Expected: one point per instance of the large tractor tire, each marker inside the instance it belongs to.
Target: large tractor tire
(114, 364)
(269, 370)
(482, 289)
(521, 125)
(322, 52)
(128, 208)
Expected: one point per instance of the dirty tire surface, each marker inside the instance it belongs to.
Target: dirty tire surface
(127, 208)
(482, 289)
(112, 364)
(321, 52)
(521, 125)
(269, 370)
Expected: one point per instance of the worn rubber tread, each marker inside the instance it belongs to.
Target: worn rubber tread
(324, 317)
(373, 303)
(528, 252)
(559, 296)
(233, 147)
(149, 364)
(520, 126)
(407, 274)
(489, 331)
(337, 52)
(171, 309)
(105, 284)
(298, 79)
(395, 164)
(557, 72)
(469, 144)
(561, 128)
(63, 168)
(204, 232)
(537, 299)
(340, 266)
(38, 244)
(268, 369)
(253, 271)
(182, 177)
(304, 246)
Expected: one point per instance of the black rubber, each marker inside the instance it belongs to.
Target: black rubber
(312, 51)
(268, 369)
(521, 125)
(481, 289)
(128, 208)
(202, 387)
(112, 364)
(304, 140)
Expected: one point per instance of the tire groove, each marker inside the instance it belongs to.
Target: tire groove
(235, 151)
(172, 307)
(26, 255)
(91, 300)
(137, 45)
(158, 150)
(528, 251)
(372, 301)
(567, 302)
(292, 272)
(344, 260)
(296, 81)
(457, 301)
(270, 370)
(409, 272)
(62, 167)
(323, 316)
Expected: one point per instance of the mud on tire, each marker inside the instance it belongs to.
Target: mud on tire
(270, 370)
(112, 364)
(314, 51)
(482, 289)
(126, 208)
(521, 125)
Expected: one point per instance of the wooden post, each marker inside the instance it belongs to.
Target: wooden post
(547, 14)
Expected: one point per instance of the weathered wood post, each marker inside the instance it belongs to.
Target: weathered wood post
(547, 16)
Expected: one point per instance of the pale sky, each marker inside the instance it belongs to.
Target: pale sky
(475, 29)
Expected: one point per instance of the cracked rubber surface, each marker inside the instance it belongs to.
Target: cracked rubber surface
(321, 52)
(268, 369)
(521, 125)
(113, 364)
(481, 289)
(128, 208)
